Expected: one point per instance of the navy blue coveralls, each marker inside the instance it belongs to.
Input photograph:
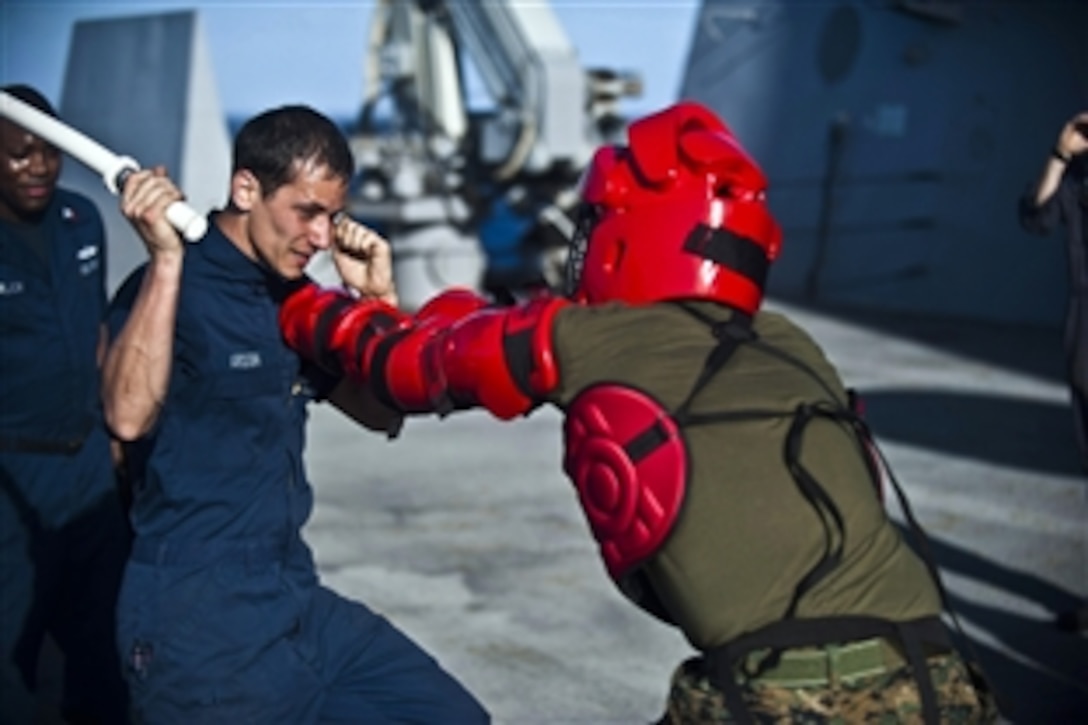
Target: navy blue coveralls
(63, 534)
(222, 618)
(1069, 206)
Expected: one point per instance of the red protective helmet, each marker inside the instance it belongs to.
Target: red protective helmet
(678, 213)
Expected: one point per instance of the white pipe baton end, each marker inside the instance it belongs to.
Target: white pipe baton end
(117, 171)
(186, 220)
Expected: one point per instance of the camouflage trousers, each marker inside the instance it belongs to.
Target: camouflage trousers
(887, 698)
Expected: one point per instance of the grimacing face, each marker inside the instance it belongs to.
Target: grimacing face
(29, 167)
(295, 222)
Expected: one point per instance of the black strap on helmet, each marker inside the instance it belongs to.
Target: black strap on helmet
(732, 251)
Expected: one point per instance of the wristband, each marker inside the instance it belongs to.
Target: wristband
(1057, 153)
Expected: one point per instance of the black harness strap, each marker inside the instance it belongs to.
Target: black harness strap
(800, 365)
(818, 497)
(921, 539)
(730, 334)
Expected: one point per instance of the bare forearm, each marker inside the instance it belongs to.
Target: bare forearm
(1049, 180)
(1072, 141)
(136, 371)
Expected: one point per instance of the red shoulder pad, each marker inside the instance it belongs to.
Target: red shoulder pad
(627, 459)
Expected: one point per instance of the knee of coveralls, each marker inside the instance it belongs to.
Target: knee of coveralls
(212, 640)
(84, 621)
(374, 673)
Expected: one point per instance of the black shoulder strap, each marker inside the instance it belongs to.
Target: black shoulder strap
(818, 498)
(921, 540)
(730, 334)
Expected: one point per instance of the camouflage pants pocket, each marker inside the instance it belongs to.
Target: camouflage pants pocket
(888, 698)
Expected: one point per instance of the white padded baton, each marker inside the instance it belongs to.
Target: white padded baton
(113, 168)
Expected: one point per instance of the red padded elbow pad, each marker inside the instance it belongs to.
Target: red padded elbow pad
(406, 375)
(529, 334)
(473, 362)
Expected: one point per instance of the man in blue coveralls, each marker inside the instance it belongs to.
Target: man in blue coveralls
(63, 534)
(221, 617)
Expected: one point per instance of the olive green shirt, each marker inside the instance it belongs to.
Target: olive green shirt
(746, 535)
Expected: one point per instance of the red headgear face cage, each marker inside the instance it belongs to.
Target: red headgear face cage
(678, 213)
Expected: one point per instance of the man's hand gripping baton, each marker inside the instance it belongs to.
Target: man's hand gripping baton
(113, 168)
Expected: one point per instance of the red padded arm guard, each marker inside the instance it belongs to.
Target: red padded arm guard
(456, 352)
(404, 375)
(337, 331)
(498, 358)
(501, 359)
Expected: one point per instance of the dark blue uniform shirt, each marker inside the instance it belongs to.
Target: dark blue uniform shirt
(224, 462)
(63, 536)
(51, 308)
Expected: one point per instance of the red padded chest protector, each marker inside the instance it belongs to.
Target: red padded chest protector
(629, 464)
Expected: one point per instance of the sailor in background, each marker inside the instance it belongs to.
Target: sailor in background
(63, 534)
(1060, 197)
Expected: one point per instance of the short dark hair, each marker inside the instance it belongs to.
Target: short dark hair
(31, 97)
(272, 143)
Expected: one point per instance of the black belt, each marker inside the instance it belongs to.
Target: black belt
(22, 444)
